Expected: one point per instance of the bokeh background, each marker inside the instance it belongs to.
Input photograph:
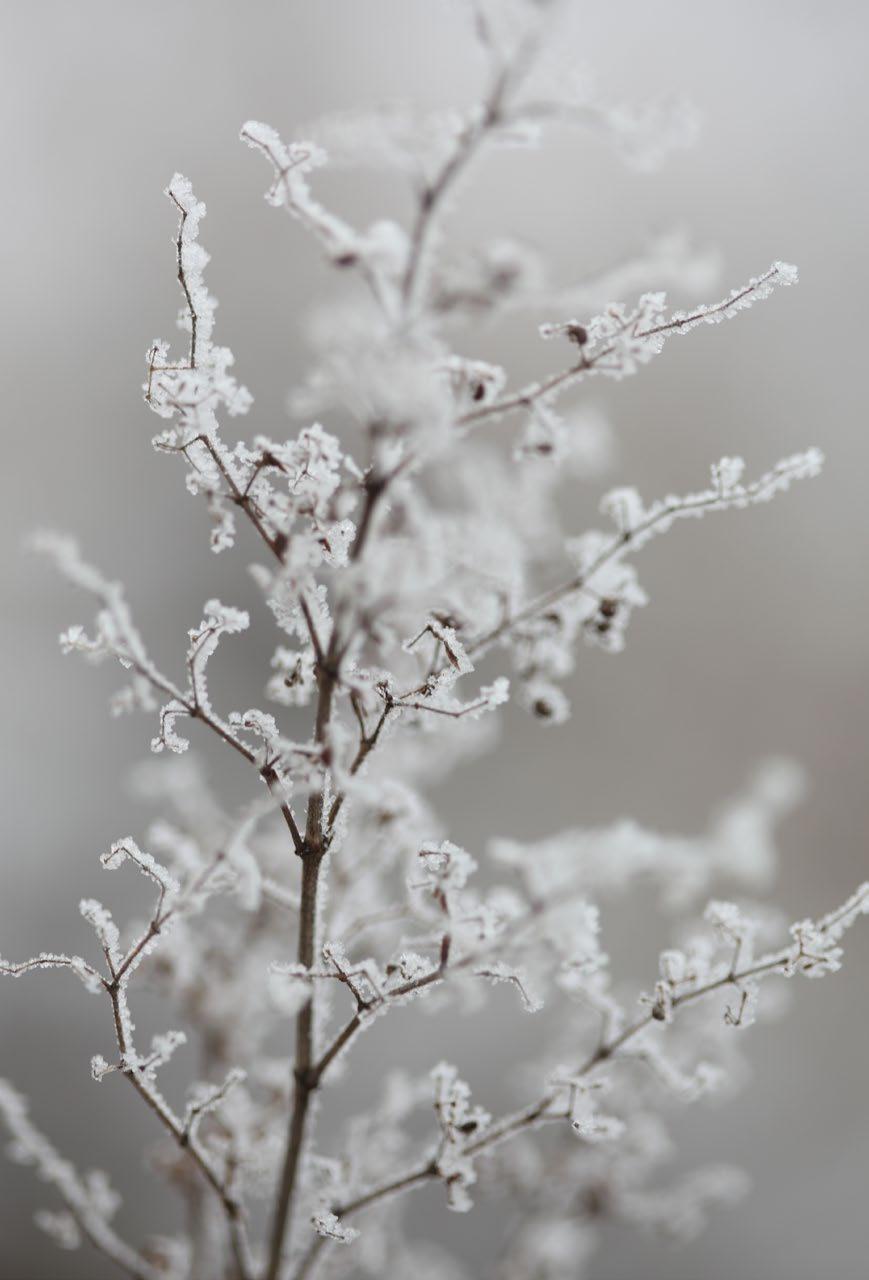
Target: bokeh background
(756, 638)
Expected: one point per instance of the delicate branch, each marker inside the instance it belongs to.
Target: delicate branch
(614, 343)
(728, 492)
(218, 1182)
(184, 210)
(482, 123)
(315, 846)
(89, 1201)
(814, 950)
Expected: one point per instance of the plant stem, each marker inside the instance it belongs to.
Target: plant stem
(304, 1082)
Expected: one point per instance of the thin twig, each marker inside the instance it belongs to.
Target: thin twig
(467, 145)
(533, 392)
(232, 1208)
(541, 1110)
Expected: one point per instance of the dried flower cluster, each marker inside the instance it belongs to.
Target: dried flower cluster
(389, 576)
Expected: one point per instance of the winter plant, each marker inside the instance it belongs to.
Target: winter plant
(393, 577)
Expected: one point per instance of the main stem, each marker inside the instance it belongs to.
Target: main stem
(302, 1088)
(313, 849)
(304, 1080)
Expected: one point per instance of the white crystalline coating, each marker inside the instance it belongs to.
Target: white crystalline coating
(625, 507)
(168, 737)
(54, 960)
(646, 135)
(99, 1067)
(330, 1227)
(298, 157)
(294, 682)
(729, 920)
(503, 972)
(61, 1227)
(193, 257)
(459, 1122)
(206, 1098)
(312, 462)
(497, 693)
(125, 849)
(758, 288)
(392, 136)
(219, 620)
(116, 634)
(452, 646)
(546, 434)
(579, 1097)
(602, 596)
(685, 1083)
(290, 190)
(163, 1045)
(193, 387)
(411, 966)
(445, 867)
(473, 382)
(620, 339)
(259, 723)
(102, 923)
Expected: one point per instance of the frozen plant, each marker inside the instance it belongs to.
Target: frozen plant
(335, 897)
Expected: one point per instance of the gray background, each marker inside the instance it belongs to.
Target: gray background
(756, 637)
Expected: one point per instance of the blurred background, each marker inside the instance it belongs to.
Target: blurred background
(755, 641)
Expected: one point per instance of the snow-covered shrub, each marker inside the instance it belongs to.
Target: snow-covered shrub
(392, 575)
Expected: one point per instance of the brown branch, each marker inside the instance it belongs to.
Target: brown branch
(314, 847)
(621, 544)
(195, 711)
(298, 210)
(527, 396)
(232, 1208)
(467, 145)
(403, 1182)
(302, 1085)
(182, 279)
(366, 745)
(354, 1024)
(276, 542)
(542, 1109)
(312, 853)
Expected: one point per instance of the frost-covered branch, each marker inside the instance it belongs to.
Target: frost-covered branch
(138, 1069)
(90, 1200)
(636, 525)
(117, 637)
(814, 951)
(598, 599)
(483, 121)
(616, 343)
